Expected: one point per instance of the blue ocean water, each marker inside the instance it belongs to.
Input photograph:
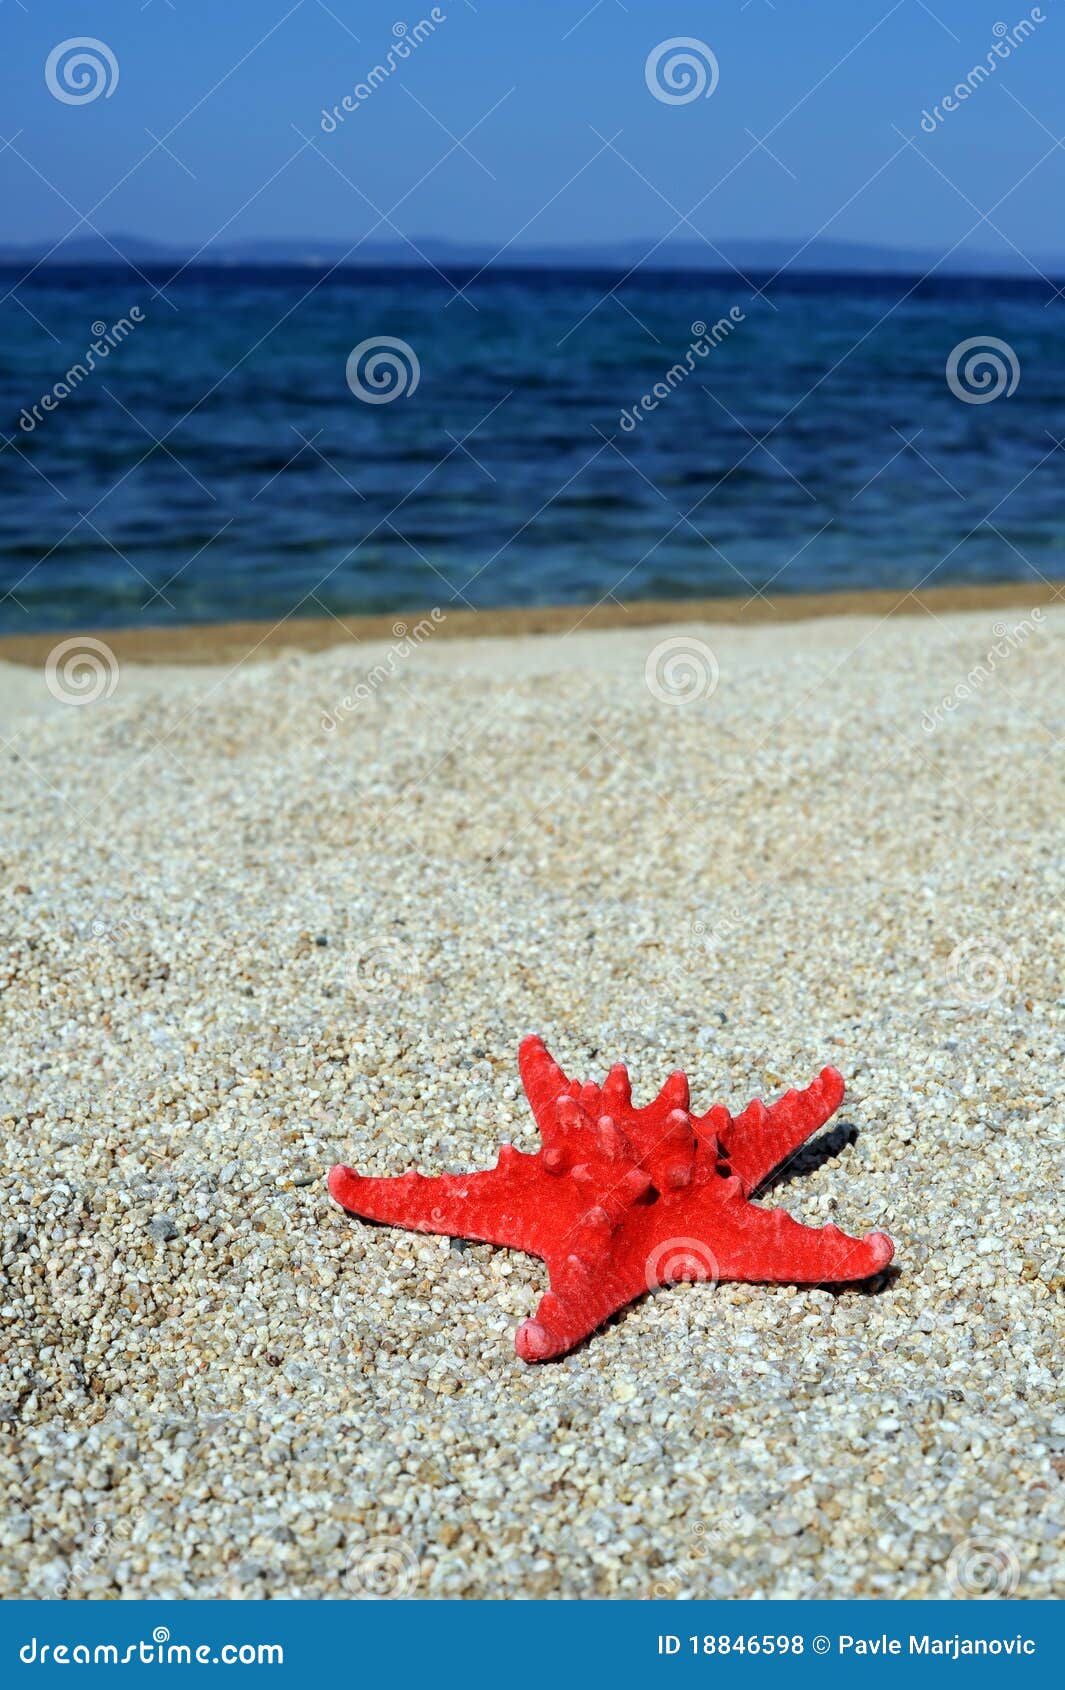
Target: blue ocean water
(216, 464)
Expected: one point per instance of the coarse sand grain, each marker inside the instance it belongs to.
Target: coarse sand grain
(258, 920)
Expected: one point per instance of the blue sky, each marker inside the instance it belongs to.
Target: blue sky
(568, 144)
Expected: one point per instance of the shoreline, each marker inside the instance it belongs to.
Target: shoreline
(227, 641)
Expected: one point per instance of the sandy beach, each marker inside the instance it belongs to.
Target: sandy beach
(260, 917)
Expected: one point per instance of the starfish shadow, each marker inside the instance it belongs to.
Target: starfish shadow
(809, 1157)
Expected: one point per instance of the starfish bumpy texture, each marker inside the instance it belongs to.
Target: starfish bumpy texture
(620, 1200)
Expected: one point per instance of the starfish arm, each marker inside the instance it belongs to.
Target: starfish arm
(581, 1298)
(621, 1200)
(768, 1245)
(496, 1206)
(543, 1080)
(761, 1138)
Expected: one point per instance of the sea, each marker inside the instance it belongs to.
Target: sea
(225, 443)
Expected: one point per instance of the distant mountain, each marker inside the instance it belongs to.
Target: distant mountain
(750, 257)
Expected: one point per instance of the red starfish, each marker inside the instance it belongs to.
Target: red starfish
(620, 1200)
